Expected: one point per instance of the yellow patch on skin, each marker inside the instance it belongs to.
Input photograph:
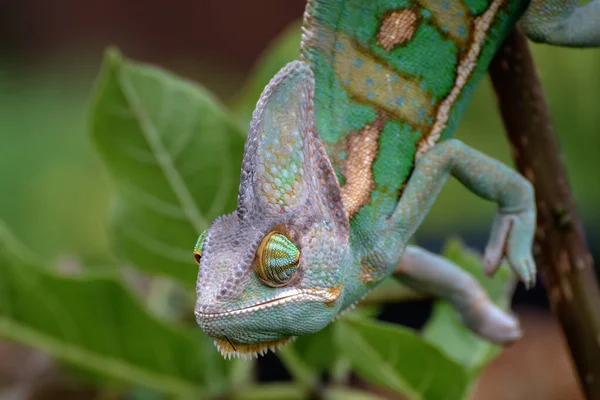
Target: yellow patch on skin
(377, 84)
(366, 276)
(453, 17)
(466, 65)
(397, 27)
(371, 269)
(333, 294)
(361, 150)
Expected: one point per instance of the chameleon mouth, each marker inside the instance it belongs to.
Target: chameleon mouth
(328, 296)
(229, 349)
(210, 321)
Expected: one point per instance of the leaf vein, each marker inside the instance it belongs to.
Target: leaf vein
(173, 176)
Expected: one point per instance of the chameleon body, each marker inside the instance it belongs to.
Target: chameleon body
(347, 151)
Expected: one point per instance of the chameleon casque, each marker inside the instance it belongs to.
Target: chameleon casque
(347, 150)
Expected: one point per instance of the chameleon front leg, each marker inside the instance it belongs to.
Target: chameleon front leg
(514, 225)
(429, 273)
(563, 22)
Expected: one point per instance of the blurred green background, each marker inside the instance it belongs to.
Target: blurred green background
(54, 190)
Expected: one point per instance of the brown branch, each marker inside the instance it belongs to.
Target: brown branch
(560, 246)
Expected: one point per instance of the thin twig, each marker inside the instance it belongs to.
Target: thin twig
(560, 246)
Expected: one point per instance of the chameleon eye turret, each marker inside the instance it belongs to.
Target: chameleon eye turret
(276, 260)
(198, 247)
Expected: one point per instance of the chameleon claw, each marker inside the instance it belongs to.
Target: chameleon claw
(511, 237)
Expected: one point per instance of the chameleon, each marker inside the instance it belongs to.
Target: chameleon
(347, 150)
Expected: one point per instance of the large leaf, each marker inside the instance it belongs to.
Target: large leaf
(444, 328)
(317, 350)
(397, 358)
(94, 323)
(175, 155)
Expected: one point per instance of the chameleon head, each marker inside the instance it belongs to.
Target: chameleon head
(270, 271)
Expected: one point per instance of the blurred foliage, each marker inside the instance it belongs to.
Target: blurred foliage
(173, 154)
(95, 323)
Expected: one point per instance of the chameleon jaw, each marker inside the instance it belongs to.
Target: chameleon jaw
(328, 296)
(232, 349)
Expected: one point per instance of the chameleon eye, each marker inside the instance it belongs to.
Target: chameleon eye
(198, 247)
(277, 260)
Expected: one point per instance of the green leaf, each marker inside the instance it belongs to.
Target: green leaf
(271, 391)
(398, 359)
(306, 375)
(94, 323)
(285, 48)
(175, 155)
(343, 393)
(444, 328)
(317, 350)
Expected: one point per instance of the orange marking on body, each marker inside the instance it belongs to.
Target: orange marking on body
(333, 294)
(371, 269)
(366, 271)
(362, 150)
(452, 18)
(397, 27)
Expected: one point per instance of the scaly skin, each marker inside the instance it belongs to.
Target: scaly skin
(347, 151)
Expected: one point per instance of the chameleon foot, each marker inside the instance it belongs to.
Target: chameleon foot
(514, 226)
(563, 22)
(511, 237)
